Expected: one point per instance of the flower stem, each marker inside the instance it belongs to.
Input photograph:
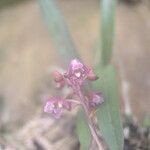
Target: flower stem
(98, 140)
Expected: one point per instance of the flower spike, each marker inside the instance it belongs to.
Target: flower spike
(75, 77)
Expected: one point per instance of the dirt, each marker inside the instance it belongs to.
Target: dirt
(136, 137)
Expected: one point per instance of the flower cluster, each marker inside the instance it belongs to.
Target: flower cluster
(75, 77)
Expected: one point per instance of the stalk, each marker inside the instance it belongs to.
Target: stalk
(97, 139)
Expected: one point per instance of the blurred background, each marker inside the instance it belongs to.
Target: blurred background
(27, 55)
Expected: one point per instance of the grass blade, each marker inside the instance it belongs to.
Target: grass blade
(58, 30)
(83, 131)
(108, 8)
(108, 114)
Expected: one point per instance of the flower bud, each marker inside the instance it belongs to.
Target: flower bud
(95, 99)
(58, 77)
(92, 76)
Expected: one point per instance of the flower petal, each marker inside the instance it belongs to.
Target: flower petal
(77, 73)
(95, 99)
(56, 105)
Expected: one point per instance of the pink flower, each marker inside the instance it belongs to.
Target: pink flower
(56, 106)
(95, 99)
(77, 73)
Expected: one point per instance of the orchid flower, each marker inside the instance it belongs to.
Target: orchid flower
(75, 77)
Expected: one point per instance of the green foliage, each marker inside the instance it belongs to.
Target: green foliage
(108, 8)
(108, 114)
(83, 131)
(146, 122)
(58, 31)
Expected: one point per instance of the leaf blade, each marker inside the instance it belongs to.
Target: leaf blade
(108, 10)
(83, 130)
(58, 31)
(108, 114)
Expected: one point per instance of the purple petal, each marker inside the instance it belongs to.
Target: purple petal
(56, 105)
(96, 98)
(77, 73)
(48, 107)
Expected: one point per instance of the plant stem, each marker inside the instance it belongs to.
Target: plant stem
(90, 121)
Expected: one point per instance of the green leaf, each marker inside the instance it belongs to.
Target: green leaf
(58, 31)
(108, 9)
(83, 130)
(108, 114)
